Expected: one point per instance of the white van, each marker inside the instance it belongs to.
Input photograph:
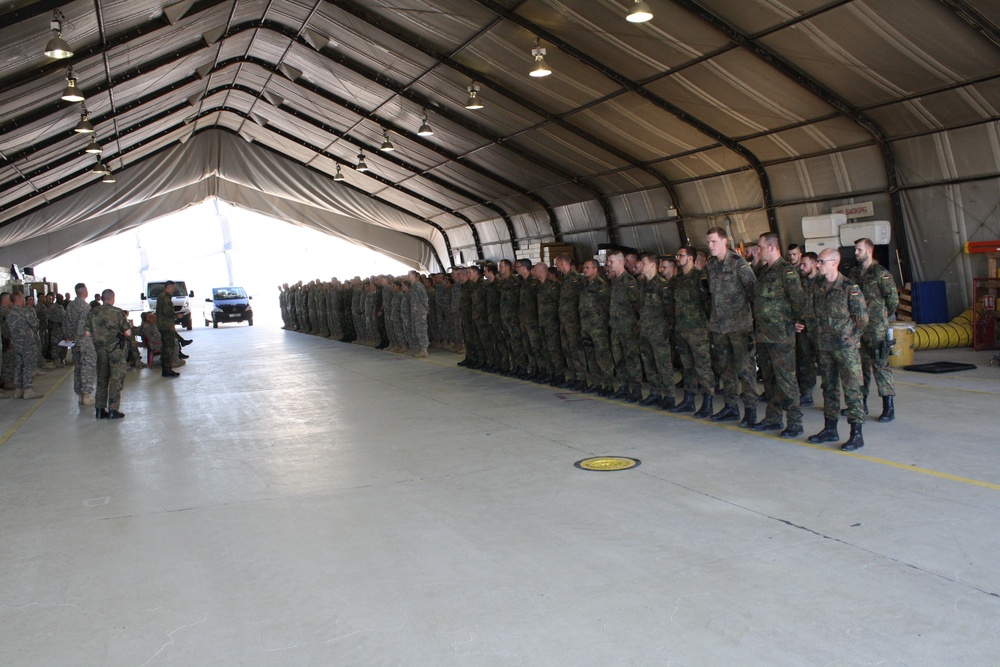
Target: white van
(182, 305)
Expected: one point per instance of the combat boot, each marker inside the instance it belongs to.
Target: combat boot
(650, 400)
(792, 431)
(666, 402)
(888, 410)
(558, 381)
(634, 394)
(592, 389)
(828, 434)
(606, 391)
(856, 441)
(421, 354)
(18, 393)
(100, 413)
(87, 399)
(806, 400)
(706, 407)
(728, 413)
(621, 393)
(30, 393)
(749, 417)
(114, 414)
(686, 405)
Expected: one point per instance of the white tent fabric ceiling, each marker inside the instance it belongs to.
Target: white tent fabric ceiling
(750, 114)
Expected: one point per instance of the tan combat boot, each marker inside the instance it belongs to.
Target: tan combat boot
(87, 399)
(29, 393)
(18, 393)
(420, 354)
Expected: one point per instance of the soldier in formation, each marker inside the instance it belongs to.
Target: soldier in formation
(110, 330)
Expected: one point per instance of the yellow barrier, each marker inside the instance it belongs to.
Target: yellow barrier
(957, 333)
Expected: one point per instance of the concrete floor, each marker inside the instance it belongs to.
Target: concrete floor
(296, 501)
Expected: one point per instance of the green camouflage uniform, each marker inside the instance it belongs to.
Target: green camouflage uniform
(495, 319)
(806, 355)
(548, 320)
(626, 297)
(481, 316)
(7, 367)
(531, 333)
(656, 324)
(510, 300)
(595, 303)
(107, 326)
(470, 331)
(691, 302)
(165, 321)
(882, 298)
(777, 305)
(732, 284)
(570, 332)
(841, 314)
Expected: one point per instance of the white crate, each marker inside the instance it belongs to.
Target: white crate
(822, 226)
(819, 245)
(879, 231)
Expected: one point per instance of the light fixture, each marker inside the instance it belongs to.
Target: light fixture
(93, 147)
(72, 93)
(99, 169)
(57, 47)
(473, 102)
(425, 127)
(386, 145)
(339, 176)
(108, 176)
(639, 13)
(362, 165)
(84, 126)
(540, 69)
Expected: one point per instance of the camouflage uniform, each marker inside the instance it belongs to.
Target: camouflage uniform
(691, 301)
(492, 293)
(419, 312)
(732, 284)
(333, 313)
(624, 320)
(510, 303)
(406, 320)
(595, 304)
(23, 324)
(107, 326)
(442, 302)
(56, 316)
(882, 299)
(84, 354)
(457, 315)
(656, 322)
(570, 329)
(41, 314)
(531, 336)
(806, 354)
(7, 364)
(396, 321)
(471, 302)
(165, 320)
(777, 305)
(841, 315)
(548, 321)
(433, 328)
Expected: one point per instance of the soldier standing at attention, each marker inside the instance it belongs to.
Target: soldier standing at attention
(165, 321)
(531, 333)
(570, 332)
(109, 329)
(624, 325)
(84, 354)
(656, 326)
(882, 298)
(23, 324)
(548, 322)
(595, 304)
(419, 312)
(56, 316)
(509, 291)
(732, 284)
(7, 353)
(691, 304)
(777, 306)
(805, 341)
(841, 316)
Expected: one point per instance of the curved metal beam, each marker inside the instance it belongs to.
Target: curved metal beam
(976, 19)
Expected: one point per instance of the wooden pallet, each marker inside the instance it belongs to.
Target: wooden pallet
(904, 313)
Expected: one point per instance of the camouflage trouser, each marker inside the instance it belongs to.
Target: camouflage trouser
(501, 343)
(55, 336)
(534, 347)
(556, 363)
(25, 362)
(7, 368)
(110, 378)
(736, 360)
(628, 361)
(420, 336)
(473, 347)
(696, 360)
(656, 351)
(458, 332)
(41, 348)
(84, 367)
(779, 381)
(515, 342)
(333, 320)
(841, 368)
(571, 339)
(805, 362)
(406, 329)
(488, 342)
(433, 327)
(600, 362)
(871, 366)
(168, 347)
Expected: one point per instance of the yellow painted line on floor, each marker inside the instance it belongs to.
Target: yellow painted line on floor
(37, 403)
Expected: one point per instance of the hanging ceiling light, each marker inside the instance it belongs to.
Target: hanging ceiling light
(108, 176)
(339, 176)
(57, 47)
(84, 126)
(386, 145)
(93, 147)
(639, 13)
(72, 93)
(473, 102)
(425, 127)
(362, 165)
(540, 69)
(99, 169)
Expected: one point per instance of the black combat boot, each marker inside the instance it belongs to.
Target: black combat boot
(828, 434)
(765, 425)
(856, 441)
(169, 373)
(621, 393)
(667, 401)
(579, 385)
(634, 394)
(687, 405)
(592, 389)
(792, 431)
(651, 400)
(728, 413)
(888, 410)
(806, 400)
(114, 414)
(557, 381)
(749, 417)
(706, 407)
(101, 413)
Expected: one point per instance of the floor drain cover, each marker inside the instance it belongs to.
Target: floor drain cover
(607, 463)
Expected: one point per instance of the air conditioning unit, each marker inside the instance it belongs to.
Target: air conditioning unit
(822, 226)
(879, 231)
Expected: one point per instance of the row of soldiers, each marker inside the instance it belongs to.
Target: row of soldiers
(31, 335)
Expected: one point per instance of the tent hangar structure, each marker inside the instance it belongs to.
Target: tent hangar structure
(748, 115)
